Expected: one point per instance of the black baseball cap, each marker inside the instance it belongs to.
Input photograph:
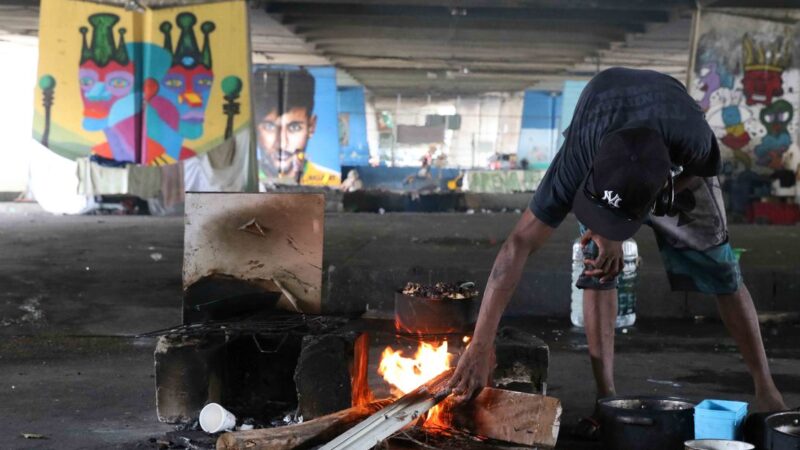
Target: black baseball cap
(629, 170)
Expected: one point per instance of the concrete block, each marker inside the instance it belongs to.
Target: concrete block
(522, 360)
(188, 375)
(331, 373)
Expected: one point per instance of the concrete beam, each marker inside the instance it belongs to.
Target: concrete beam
(641, 5)
(588, 68)
(294, 59)
(460, 53)
(356, 62)
(443, 27)
(336, 11)
(544, 48)
(377, 76)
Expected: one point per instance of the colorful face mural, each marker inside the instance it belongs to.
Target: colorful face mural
(188, 82)
(294, 129)
(748, 86)
(106, 77)
(763, 68)
(144, 102)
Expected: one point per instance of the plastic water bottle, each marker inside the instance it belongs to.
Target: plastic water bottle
(576, 305)
(626, 285)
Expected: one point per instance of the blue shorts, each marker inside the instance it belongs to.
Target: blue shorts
(693, 245)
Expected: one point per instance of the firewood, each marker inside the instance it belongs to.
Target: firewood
(508, 416)
(302, 435)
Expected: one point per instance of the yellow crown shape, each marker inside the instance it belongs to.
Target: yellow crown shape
(774, 57)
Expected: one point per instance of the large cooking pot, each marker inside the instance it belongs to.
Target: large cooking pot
(646, 423)
(426, 316)
(784, 431)
(717, 444)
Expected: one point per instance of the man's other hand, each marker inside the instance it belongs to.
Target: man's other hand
(473, 372)
(609, 261)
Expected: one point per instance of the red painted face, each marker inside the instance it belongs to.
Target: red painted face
(189, 86)
(102, 86)
(760, 86)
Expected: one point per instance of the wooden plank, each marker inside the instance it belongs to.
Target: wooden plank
(302, 435)
(509, 416)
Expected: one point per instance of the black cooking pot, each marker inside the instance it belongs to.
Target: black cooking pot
(784, 431)
(425, 316)
(646, 423)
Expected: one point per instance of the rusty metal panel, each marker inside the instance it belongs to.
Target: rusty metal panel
(272, 240)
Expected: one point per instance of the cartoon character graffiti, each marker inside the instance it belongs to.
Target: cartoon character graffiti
(736, 137)
(763, 69)
(106, 77)
(712, 77)
(775, 118)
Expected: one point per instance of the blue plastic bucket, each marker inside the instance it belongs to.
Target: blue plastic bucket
(719, 419)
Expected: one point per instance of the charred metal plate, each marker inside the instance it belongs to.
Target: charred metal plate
(271, 242)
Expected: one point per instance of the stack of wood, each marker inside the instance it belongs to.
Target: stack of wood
(494, 414)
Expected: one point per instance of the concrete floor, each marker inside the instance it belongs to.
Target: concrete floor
(77, 289)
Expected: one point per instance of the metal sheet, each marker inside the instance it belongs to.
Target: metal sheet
(269, 239)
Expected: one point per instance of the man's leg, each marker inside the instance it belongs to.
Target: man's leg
(739, 315)
(599, 317)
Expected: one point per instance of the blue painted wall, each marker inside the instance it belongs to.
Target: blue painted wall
(572, 91)
(540, 118)
(351, 107)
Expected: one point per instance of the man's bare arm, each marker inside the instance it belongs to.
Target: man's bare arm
(476, 364)
(526, 237)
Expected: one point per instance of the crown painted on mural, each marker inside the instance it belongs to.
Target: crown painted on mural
(103, 49)
(187, 52)
(774, 57)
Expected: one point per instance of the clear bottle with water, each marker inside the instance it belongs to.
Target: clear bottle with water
(626, 285)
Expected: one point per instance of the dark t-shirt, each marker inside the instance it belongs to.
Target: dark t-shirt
(620, 98)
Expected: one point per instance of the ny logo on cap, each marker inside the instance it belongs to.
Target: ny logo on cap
(611, 198)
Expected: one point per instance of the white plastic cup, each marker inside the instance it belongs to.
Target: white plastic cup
(214, 418)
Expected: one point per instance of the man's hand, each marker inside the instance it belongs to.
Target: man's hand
(473, 372)
(609, 262)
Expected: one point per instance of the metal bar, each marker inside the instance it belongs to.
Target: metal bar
(394, 417)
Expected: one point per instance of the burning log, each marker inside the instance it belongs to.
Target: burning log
(299, 436)
(508, 416)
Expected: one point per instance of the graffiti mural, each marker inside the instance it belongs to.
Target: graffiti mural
(747, 80)
(297, 125)
(151, 88)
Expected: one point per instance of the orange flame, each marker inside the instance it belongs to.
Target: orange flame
(406, 374)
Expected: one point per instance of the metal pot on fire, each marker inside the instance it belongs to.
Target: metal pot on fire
(442, 308)
(646, 423)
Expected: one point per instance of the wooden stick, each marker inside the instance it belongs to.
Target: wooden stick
(302, 435)
(508, 416)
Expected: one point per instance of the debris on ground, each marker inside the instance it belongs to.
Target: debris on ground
(455, 291)
(33, 436)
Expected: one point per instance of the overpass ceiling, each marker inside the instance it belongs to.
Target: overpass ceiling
(465, 47)
(457, 47)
